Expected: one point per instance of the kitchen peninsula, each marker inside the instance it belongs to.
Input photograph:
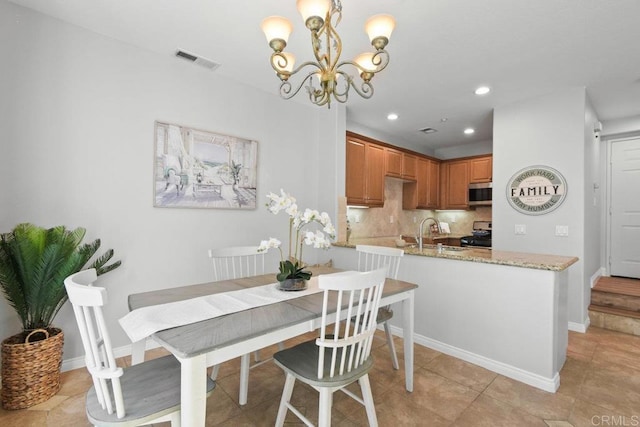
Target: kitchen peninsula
(504, 311)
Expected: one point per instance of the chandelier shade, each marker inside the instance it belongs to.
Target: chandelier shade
(313, 8)
(327, 78)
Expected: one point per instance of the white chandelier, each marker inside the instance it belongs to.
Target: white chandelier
(318, 16)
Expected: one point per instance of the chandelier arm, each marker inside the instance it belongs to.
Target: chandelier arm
(303, 65)
(347, 83)
(365, 90)
(332, 35)
(380, 59)
(286, 88)
(319, 97)
(279, 61)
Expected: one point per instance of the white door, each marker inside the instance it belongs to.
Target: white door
(625, 208)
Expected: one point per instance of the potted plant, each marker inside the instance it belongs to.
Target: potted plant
(34, 262)
(292, 275)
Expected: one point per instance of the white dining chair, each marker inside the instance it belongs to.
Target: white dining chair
(233, 263)
(142, 394)
(236, 262)
(342, 354)
(370, 258)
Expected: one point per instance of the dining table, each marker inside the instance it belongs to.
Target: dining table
(214, 341)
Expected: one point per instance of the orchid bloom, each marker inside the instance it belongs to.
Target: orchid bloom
(297, 221)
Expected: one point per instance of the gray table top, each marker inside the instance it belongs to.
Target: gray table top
(201, 337)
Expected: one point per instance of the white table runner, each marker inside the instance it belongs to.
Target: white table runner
(143, 322)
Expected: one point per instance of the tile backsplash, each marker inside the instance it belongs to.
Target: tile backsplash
(392, 220)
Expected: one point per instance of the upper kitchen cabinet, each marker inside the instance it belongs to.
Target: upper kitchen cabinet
(454, 179)
(480, 169)
(409, 166)
(399, 164)
(365, 173)
(433, 184)
(422, 194)
(393, 162)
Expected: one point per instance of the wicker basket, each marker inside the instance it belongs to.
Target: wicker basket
(31, 370)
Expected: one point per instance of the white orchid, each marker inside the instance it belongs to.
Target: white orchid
(281, 202)
(317, 239)
(297, 221)
(272, 243)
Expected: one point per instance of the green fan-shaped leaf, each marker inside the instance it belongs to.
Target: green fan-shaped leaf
(34, 262)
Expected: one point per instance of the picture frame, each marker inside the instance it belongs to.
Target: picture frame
(203, 169)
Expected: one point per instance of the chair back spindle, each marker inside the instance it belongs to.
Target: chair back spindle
(87, 302)
(349, 345)
(373, 257)
(236, 262)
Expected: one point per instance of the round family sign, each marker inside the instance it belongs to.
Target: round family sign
(536, 190)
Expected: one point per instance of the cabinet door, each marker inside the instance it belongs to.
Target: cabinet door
(433, 184)
(355, 173)
(422, 183)
(458, 185)
(481, 169)
(393, 162)
(374, 172)
(409, 166)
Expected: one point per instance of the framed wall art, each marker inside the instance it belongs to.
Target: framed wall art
(202, 169)
(536, 190)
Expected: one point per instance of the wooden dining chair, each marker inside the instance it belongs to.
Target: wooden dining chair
(233, 263)
(145, 393)
(370, 258)
(342, 354)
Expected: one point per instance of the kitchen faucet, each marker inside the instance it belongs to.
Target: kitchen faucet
(421, 228)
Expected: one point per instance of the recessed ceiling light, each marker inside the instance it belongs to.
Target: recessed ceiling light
(469, 131)
(482, 90)
(392, 116)
(444, 119)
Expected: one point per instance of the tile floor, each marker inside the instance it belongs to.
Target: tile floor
(600, 386)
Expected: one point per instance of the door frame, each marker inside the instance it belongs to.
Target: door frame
(607, 205)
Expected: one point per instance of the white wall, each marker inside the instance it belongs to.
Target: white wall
(620, 127)
(78, 146)
(465, 150)
(593, 202)
(551, 131)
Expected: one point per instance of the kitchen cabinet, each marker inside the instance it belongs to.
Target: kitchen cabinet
(422, 194)
(433, 184)
(393, 162)
(399, 164)
(365, 173)
(409, 166)
(454, 176)
(481, 169)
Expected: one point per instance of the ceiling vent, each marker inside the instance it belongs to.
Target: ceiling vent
(428, 130)
(199, 60)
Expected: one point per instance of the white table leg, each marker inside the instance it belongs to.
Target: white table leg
(137, 351)
(193, 390)
(245, 360)
(407, 334)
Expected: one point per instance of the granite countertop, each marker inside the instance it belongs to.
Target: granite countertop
(487, 256)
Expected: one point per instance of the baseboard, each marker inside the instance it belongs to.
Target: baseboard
(580, 327)
(599, 273)
(79, 362)
(534, 380)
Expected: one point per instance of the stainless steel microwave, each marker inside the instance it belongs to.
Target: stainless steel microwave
(480, 194)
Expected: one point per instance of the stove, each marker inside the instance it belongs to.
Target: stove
(480, 236)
